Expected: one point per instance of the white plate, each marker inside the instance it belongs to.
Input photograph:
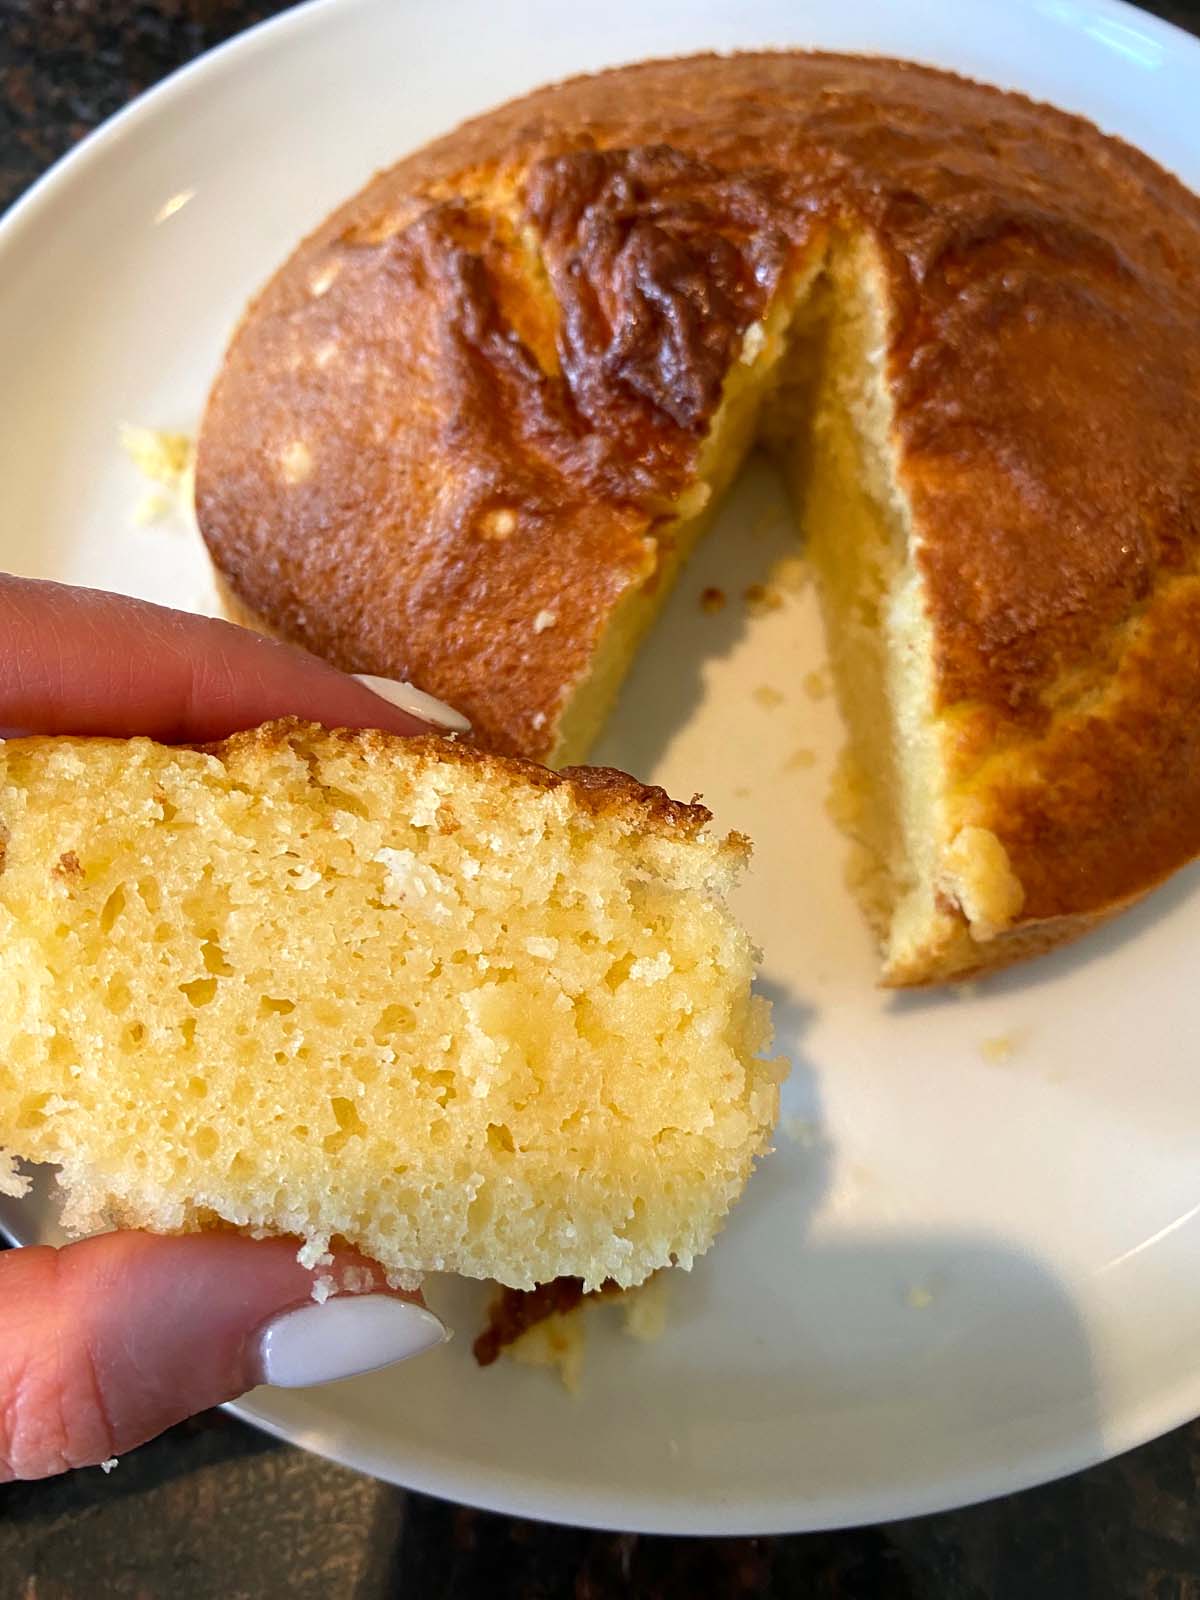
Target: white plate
(967, 1274)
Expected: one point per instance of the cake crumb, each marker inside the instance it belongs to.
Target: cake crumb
(323, 1287)
(998, 1049)
(712, 600)
(544, 620)
(313, 1251)
(295, 462)
(152, 507)
(767, 696)
(165, 458)
(413, 883)
(651, 969)
(559, 1341)
(760, 599)
(978, 875)
(753, 341)
(693, 501)
(405, 1279)
(499, 523)
(816, 683)
(800, 760)
(110, 1465)
(322, 280)
(791, 574)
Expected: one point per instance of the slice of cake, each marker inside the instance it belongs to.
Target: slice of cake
(453, 1009)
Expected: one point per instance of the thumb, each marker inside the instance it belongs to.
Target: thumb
(105, 1343)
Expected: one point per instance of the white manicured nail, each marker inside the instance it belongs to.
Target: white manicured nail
(346, 1335)
(416, 702)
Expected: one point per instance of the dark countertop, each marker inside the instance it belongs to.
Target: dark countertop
(213, 1509)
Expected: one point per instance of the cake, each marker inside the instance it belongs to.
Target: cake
(450, 1008)
(469, 432)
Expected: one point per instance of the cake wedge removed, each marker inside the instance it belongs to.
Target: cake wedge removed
(455, 1010)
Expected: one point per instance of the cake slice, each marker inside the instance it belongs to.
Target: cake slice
(453, 1009)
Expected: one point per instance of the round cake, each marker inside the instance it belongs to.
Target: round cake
(470, 430)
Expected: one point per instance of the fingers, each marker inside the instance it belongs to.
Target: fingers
(105, 1343)
(85, 662)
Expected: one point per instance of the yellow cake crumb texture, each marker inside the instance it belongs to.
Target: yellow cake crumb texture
(1002, 1047)
(558, 1342)
(939, 895)
(801, 759)
(791, 575)
(767, 696)
(165, 458)
(444, 1007)
(977, 874)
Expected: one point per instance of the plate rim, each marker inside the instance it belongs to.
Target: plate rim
(519, 1494)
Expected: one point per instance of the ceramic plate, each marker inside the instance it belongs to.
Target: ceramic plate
(974, 1260)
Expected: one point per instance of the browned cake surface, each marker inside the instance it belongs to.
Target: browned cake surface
(411, 457)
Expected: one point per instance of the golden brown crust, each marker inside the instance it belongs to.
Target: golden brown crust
(1105, 803)
(1044, 364)
(958, 958)
(603, 791)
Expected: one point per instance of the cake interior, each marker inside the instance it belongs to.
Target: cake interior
(375, 994)
(810, 388)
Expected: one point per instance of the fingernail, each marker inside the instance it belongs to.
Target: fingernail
(416, 702)
(345, 1336)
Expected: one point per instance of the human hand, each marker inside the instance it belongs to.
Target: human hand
(106, 1342)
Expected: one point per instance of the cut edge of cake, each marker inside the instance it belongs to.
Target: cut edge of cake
(448, 1008)
(810, 384)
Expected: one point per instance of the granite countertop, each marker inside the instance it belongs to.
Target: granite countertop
(214, 1509)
